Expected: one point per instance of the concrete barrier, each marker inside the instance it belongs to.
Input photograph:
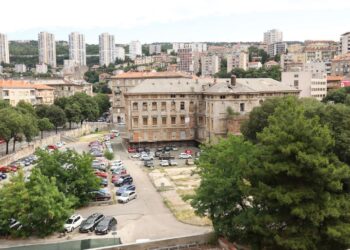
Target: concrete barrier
(167, 244)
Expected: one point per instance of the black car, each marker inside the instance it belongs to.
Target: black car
(158, 153)
(124, 180)
(105, 225)
(148, 164)
(167, 148)
(90, 223)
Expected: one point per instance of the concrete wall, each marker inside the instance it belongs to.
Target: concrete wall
(166, 244)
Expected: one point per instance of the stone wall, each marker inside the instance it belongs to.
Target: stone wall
(234, 124)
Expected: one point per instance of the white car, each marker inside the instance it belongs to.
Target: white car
(116, 168)
(127, 196)
(73, 222)
(146, 157)
(135, 156)
(172, 163)
(184, 156)
(116, 163)
(164, 163)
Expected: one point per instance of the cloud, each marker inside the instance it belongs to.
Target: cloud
(44, 14)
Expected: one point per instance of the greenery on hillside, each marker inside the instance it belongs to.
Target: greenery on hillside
(273, 72)
(285, 183)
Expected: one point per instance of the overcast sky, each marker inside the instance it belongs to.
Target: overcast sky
(176, 20)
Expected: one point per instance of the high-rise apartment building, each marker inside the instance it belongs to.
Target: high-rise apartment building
(210, 65)
(155, 49)
(77, 48)
(273, 36)
(196, 47)
(106, 49)
(237, 60)
(47, 49)
(345, 43)
(120, 53)
(4, 49)
(278, 48)
(135, 49)
(186, 60)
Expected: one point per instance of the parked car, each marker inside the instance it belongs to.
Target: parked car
(121, 171)
(104, 182)
(3, 176)
(125, 188)
(105, 225)
(127, 196)
(172, 163)
(148, 163)
(146, 158)
(60, 144)
(131, 150)
(116, 163)
(53, 147)
(101, 174)
(91, 222)
(188, 151)
(174, 148)
(140, 149)
(101, 195)
(166, 156)
(116, 168)
(15, 224)
(184, 156)
(167, 148)
(7, 169)
(136, 156)
(73, 222)
(124, 180)
(164, 163)
(189, 162)
(158, 153)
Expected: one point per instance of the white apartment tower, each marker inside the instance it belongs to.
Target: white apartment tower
(210, 65)
(77, 48)
(107, 49)
(4, 49)
(47, 49)
(135, 49)
(273, 36)
(120, 53)
(155, 49)
(344, 43)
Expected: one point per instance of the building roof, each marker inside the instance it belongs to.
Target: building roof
(249, 85)
(15, 84)
(271, 63)
(150, 75)
(344, 57)
(42, 87)
(334, 78)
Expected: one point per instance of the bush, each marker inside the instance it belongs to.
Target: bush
(108, 155)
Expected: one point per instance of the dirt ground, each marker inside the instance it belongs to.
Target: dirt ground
(175, 185)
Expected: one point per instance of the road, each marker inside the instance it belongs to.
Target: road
(143, 218)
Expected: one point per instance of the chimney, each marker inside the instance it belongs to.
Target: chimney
(233, 80)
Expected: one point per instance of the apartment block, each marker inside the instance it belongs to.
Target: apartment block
(210, 65)
(195, 47)
(77, 48)
(4, 49)
(344, 43)
(135, 49)
(143, 60)
(20, 68)
(41, 69)
(309, 84)
(237, 60)
(273, 36)
(186, 60)
(341, 65)
(155, 49)
(320, 51)
(164, 110)
(47, 49)
(106, 49)
(278, 48)
(120, 53)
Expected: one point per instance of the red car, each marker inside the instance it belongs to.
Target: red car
(131, 150)
(115, 177)
(112, 136)
(54, 147)
(101, 174)
(188, 151)
(6, 169)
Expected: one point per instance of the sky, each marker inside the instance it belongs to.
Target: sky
(177, 20)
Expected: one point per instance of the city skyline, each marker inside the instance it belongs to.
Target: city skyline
(182, 21)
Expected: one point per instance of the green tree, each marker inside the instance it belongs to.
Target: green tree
(4, 104)
(73, 172)
(73, 113)
(91, 76)
(41, 110)
(88, 106)
(44, 124)
(56, 116)
(11, 126)
(103, 103)
(30, 126)
(25, 108)
(337, 96)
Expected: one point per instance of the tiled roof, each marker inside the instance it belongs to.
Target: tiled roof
(15, 84)
(42, 86)
(133, 75)
(341, 57)
(334, 78)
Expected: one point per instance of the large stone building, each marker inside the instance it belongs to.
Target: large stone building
(124, 82)
(47, 49)
(168, 110)
(4, 49)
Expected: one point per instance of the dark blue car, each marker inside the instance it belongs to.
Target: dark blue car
(125, 188)
(3, 176)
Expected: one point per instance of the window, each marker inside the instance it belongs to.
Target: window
(296, 83)
(241, 107)
(145, 121)
(191, 106)
(172, 96)
(154, 121)
(154, 106)
(182, 96)
(173, 105)
(144, 106)
(163, 107)
(182, 120)
(173, 120)
(222, 97)
(135, 121)
(164, 120)
(200, 120)
(6, 93)
(135, 106)
(296, 75)
(182, 106)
